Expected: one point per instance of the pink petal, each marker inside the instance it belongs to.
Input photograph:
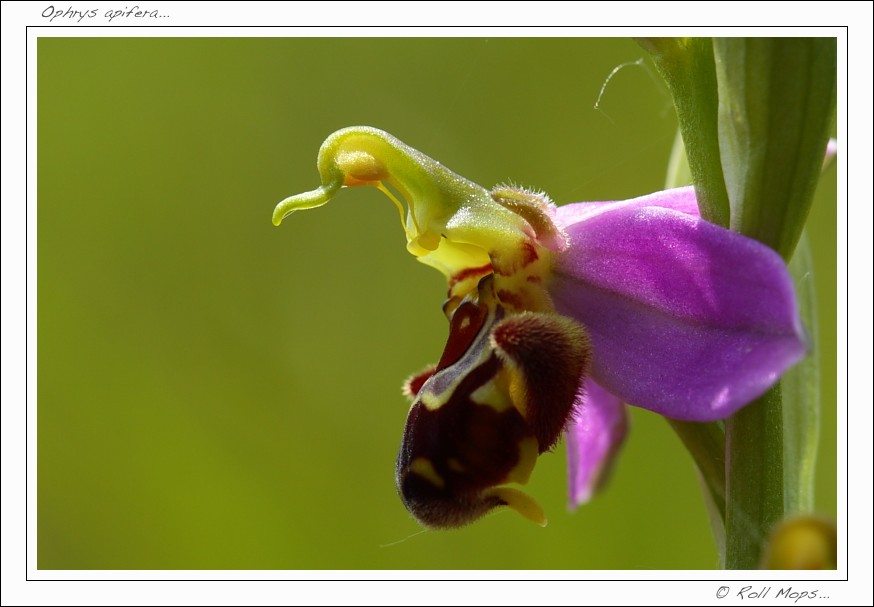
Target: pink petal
(687, 319)
(594, 437)
(679, 199)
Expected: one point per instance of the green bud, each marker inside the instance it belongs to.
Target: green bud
(804, 542)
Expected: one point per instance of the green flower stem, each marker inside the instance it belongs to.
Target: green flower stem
(754, 478)
(687, 66)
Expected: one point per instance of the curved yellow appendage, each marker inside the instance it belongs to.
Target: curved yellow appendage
(307, 200)
(522, 503)
(424, 468)
(528, 452)
(451, 223)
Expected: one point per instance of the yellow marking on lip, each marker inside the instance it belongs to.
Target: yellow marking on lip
(492, 396)
(484, 395)
(431, 401)
(528, 451)
(517, 388)
(424, 468)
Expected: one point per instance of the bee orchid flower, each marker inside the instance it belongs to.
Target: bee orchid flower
(558, 318)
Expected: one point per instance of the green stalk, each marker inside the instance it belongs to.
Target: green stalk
(687, 66)
(754, 478)
(801, 394)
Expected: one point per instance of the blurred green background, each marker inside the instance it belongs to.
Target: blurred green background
(215, 392)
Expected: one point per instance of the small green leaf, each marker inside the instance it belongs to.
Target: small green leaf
(801, 398)
(687, 66)
(776, 101)
(679, 173)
